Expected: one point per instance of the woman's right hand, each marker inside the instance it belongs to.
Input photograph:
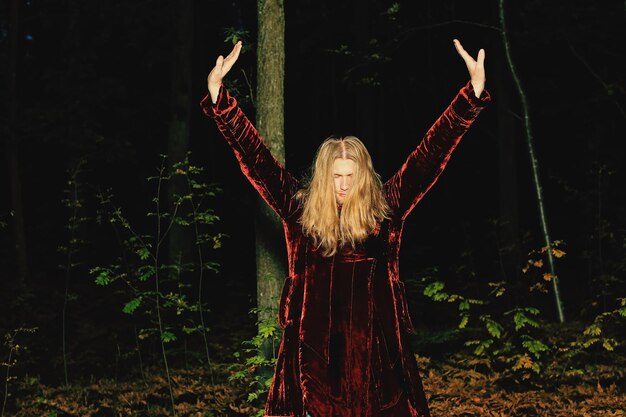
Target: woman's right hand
(222, 66)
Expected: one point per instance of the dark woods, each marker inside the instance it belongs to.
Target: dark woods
(126, 239)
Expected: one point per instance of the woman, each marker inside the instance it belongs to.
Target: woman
(345, 348)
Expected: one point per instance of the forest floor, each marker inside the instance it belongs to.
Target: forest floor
(459, 386)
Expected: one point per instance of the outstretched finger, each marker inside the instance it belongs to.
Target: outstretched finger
(469, 61)
(232, 57)
(234, 54)
(481, 58)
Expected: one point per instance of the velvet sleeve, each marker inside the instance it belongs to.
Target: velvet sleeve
(424, 165)
(272, 181)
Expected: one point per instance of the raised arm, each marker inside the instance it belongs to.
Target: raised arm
(424, 165)
(273, 182)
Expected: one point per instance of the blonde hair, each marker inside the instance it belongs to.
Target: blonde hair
(363, 207)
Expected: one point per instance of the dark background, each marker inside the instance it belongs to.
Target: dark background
(94, 83)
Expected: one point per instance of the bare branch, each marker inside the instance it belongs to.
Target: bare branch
(597, 77)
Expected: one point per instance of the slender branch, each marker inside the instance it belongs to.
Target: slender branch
(597, 77)
(156, 283)
(517, 116)
(249, 86)
(170, 224)
(6, 382)
(450, 22)
(68, 266)
(194, 208)
(533, 159)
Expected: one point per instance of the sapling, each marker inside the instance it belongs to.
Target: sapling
(10, 341)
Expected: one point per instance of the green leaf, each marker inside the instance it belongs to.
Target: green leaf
(483, 346)
(522, 320)
(237, 375)
(181, 221)
(433, 291)
(168, 336)
(393, 9)
(198, 328)
(213, 266)
(593, 330)
(590, 342)
(146, 272)
(206, 217)
(255, 360)
(575, 372)
(536, 367)
(103, 278)
(143, 253)
(535, 347)
(493, 327)
(267, 330)
(532, 310)
(132, 305)
(609, 344)
(464, 320)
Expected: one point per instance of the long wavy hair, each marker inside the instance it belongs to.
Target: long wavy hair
(333, 227)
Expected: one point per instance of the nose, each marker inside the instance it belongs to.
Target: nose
(344, 184)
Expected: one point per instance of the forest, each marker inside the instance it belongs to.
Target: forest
(141, 273)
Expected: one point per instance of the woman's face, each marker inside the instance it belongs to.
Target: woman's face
(342, 176)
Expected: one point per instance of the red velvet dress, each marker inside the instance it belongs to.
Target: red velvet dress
(345, 348)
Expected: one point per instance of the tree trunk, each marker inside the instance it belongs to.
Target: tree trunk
(180, 238)
(270, 247)
(17, 209)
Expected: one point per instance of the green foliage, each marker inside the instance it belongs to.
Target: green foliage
(493, 327)
(132, 305)
(140, 273)
(143, 252)
(393, 11)
(256, 368)
(534, 346)
(508, 338)
(517, 340)
(168, 336)
(159, 294)
(103, 275)
(521, 319)
(597, 333)
(234, 35)
(434, 291)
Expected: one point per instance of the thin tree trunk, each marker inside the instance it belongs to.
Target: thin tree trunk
(17, 209)
(181, 237)
(270, 246)
(534, 162)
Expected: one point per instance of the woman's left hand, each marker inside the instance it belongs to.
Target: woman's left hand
(476, 67)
